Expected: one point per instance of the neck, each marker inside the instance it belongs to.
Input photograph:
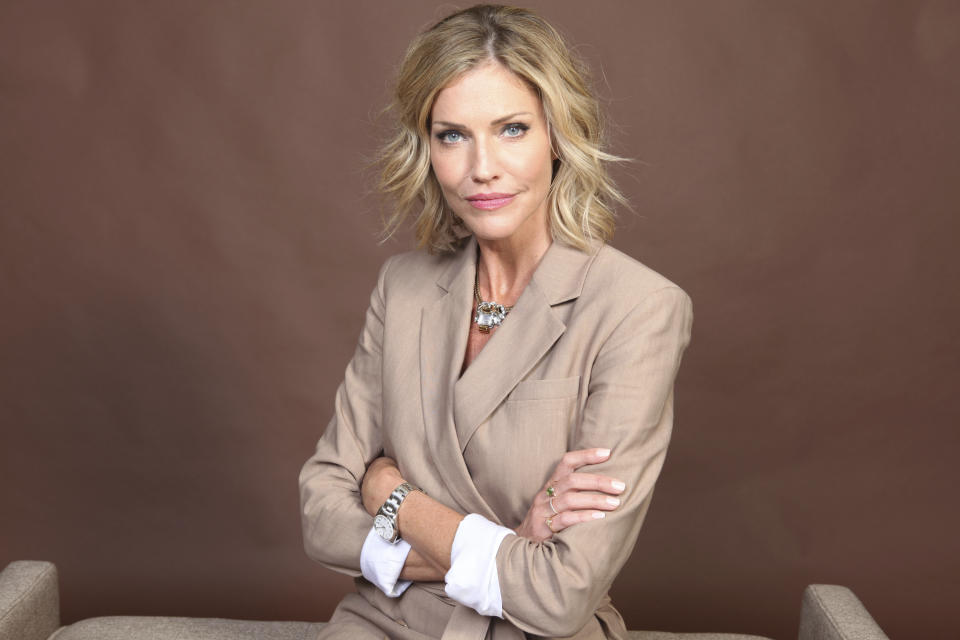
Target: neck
(506, 268)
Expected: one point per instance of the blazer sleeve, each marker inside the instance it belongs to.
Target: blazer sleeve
(553, 587)
(335, 523)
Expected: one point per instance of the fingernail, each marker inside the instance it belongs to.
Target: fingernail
(613, 501)
(603, 453)
(599, 514)
(619, 486)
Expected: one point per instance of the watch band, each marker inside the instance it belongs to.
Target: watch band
(387, 514)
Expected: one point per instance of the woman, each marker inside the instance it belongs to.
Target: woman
(499, 430)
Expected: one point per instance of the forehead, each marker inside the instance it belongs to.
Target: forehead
(484, 94)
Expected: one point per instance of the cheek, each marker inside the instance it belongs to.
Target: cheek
(446, 168)
(533, 163)
(536, 173)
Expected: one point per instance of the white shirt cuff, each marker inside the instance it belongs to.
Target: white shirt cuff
(381, 563)
(472, 579)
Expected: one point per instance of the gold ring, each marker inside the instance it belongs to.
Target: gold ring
(555, 512)
(550, 525)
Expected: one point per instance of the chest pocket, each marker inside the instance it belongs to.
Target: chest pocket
(512, 454)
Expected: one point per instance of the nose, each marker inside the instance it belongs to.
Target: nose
(485, 162)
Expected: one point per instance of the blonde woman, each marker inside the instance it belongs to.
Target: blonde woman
(499, 430)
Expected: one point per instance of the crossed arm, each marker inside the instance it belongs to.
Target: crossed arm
(551, 583)
(430, 526)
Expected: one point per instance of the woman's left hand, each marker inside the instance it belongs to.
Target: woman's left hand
(570, 496)
(379, 481)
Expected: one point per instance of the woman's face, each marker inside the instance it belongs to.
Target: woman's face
(489, 136)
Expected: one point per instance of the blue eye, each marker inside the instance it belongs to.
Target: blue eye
(452, 136)
(518, 127)
(442, 136)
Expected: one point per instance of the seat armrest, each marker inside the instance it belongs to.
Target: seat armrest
(833, 612)
(29, 600)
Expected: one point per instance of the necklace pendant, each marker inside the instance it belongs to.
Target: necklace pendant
(489, 314)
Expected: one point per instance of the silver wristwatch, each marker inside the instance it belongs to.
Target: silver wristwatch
(385, 522)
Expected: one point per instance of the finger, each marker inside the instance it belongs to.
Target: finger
(580, 481)
(581, 500)
(573, 460)
(570, 518)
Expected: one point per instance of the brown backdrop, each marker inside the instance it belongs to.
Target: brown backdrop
(187, 248)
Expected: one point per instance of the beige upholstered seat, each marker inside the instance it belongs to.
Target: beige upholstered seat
(30, 610)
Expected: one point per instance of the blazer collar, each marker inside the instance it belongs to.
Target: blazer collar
(453, 406)
(563, 270)
(560, 274)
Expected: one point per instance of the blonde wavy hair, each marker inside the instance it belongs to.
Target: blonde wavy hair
(581, 195)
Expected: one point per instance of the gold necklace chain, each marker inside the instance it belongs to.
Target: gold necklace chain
(476, 292)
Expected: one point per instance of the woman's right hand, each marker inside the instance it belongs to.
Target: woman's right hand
(577, 497)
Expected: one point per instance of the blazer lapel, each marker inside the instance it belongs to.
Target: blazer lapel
(444, 325)
(452, 408)
(526, 335)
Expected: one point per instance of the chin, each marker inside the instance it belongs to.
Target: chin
(492, 226)
(490, 230)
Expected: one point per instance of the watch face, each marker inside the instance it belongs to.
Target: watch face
(384, 527)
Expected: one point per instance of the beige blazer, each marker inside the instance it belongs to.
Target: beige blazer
(587, 358)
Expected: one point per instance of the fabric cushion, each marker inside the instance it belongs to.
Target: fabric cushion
(833, 612)
(29, 600)
(663, 635)
(166, 628)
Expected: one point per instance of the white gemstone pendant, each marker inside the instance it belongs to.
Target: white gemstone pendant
(489, 314)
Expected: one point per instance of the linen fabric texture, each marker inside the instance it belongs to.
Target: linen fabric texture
(587, 358)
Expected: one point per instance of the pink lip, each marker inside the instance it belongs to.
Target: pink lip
(488, 201)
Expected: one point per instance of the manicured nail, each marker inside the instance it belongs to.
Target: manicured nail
(603, 453)
(619, 486)
(599, 514)
(613, 501)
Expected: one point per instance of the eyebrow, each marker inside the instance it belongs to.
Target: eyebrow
(499, 120)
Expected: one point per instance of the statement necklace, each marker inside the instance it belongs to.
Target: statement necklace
(489, 314)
